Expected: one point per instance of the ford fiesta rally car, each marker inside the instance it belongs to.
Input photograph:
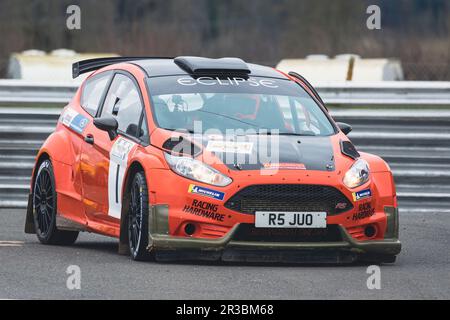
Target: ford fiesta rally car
(216, 159)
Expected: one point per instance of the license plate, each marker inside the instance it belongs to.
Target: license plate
(290, 219)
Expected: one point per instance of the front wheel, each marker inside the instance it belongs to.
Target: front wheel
(44, 205)
(138, 218)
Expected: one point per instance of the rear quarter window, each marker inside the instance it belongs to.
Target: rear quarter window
(93, 90)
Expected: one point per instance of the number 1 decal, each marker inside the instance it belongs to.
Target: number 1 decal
(118, 160)
(117, 183)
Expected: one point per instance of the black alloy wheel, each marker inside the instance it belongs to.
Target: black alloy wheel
(138, 218)
(45, 208)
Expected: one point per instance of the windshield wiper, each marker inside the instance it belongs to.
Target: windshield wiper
(286, 134)
(297, 134)
(179, 130)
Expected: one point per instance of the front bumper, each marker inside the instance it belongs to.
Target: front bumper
(348, 250)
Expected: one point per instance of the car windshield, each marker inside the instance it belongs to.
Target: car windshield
(259, 104)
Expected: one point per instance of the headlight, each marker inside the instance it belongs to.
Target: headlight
(197, 170)
(357, 175)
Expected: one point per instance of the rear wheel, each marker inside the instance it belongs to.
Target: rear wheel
(138, 218)
(44, 204)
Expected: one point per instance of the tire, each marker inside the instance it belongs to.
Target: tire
(138, 218)
(45, 206)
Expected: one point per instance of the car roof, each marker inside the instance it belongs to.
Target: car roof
(168, 67)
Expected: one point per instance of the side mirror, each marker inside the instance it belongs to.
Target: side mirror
(345, 128)
(108, 124)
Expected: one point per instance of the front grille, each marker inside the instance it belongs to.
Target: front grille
(289, 198)
(248, 232)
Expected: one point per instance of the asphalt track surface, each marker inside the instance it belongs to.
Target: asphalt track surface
(29, 270)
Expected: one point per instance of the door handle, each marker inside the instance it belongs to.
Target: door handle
(89, 139)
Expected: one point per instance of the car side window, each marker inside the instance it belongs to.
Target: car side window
(92, 93)
(123, 102)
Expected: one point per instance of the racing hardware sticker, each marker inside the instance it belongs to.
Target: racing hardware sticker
(204, 209)
(206, 192)
(230, 146)
(362, 194)
(365, 210)
(117, 165)
(74, 120)
(284, 166)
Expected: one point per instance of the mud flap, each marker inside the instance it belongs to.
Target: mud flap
(29, 220)
(124, 248)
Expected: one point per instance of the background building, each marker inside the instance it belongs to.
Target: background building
(265, 31)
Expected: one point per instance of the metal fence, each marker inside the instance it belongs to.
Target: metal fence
(414, 141)
(404, 93)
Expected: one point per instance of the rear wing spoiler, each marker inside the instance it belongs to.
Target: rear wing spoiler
(89, 65)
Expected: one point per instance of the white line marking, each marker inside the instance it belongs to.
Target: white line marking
(11, 243)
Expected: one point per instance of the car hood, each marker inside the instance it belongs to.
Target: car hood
(254, 152)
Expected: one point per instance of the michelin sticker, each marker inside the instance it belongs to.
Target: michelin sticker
(230, 147)
(117, 165)
(206, 192)
(362, 194)
(74, 120)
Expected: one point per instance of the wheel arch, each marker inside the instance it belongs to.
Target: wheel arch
(134, 168)
(42, 156)
(376, 163)
(29, 219)
(382, 179)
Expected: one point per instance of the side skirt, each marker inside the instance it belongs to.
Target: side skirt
(65, 224)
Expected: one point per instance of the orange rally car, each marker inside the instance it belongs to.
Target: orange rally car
(215, 159)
